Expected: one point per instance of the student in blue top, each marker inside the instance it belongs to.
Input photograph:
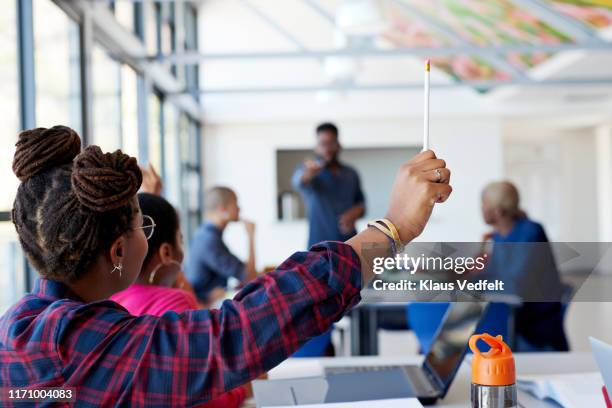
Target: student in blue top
(210, 263)
(331, 190)
(528, 270)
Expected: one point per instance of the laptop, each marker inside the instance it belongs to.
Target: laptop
(427, 382)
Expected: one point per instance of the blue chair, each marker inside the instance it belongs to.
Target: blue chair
(315, 347)
(425, 319)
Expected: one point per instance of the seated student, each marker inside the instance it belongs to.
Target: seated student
(209, 262)
(538, 324)
(80, 224)
(153, 292)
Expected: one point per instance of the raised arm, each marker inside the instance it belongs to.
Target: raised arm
(191, 357)
(304, 174)
(198, 355)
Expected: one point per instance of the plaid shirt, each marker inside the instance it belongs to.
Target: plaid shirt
(50, 338)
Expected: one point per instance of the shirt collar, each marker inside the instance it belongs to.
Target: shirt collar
(53, 289)
(209, 225)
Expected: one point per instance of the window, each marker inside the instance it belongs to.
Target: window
(124, 12)
(191, 44)
(172, 155)
(11, 259)
(106, 78)
(167, 32)
(155, 132)
(56, 64)
(191, 174)
(129, 111)
(150, 18)
(9, 106)
(115, 104)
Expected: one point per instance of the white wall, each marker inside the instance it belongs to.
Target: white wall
(555, 171)
(242, 156)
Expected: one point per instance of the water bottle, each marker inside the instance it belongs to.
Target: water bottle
(493, 374)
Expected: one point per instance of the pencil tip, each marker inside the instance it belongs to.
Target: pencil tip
(427, 65)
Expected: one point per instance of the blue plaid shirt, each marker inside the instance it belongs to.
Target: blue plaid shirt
(51, 338)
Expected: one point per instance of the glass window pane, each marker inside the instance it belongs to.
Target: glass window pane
(155, 150)
(172, 158)
(11, 260)
(124, 12)
(56, 64)
(12, 265)
(9, 125)
(150, 21)
(129, 110)
(106, 78)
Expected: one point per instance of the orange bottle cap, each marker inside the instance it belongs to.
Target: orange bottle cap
(494, 367)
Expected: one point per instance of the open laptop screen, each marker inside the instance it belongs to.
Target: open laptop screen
(450, 345)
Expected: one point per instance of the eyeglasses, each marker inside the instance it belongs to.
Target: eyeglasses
(148, 226)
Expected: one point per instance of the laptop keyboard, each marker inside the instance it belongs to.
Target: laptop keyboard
(415, 375)
(360, 369)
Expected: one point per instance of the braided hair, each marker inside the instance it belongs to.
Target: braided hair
(70, 205)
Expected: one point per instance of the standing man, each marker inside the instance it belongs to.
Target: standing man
(331, 190)
(210, 263)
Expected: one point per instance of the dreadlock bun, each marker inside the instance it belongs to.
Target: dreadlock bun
(41, 149)
(105, 181)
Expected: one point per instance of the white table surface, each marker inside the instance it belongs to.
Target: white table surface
(459, 393)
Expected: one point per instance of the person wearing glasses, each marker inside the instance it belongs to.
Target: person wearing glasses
(80, 224)
(155, 291)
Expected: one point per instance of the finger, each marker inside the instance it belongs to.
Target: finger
(428, 165)
(441, 192)
(426, 155)
(438, 175)
(153, 170)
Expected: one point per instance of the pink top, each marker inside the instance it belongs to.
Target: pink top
(154, 300)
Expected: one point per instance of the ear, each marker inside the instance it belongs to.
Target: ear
(166, 253)
(117, 251)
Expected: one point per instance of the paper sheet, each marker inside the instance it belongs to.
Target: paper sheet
(389, 403)
(569, 390)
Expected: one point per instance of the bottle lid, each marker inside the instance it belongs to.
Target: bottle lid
(494, 367)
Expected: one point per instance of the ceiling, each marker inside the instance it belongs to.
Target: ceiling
(485, 52)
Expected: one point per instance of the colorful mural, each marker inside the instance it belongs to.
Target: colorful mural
(487, 23)
(595, 13)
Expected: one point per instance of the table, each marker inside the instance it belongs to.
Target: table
(459, 392)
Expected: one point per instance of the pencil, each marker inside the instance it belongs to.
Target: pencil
(426, 108)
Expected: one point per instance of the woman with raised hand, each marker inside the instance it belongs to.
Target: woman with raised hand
(80, 225)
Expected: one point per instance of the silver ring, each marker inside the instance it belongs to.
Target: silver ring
(439, 174)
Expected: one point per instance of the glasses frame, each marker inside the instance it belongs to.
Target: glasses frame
(153, 225)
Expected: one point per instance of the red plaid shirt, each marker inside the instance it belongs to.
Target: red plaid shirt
(50, 338)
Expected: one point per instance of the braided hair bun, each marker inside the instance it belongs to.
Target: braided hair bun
(105, 181)
(41, 149)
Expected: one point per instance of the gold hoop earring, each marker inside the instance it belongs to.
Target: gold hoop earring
(118, 267)
(153, 272)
